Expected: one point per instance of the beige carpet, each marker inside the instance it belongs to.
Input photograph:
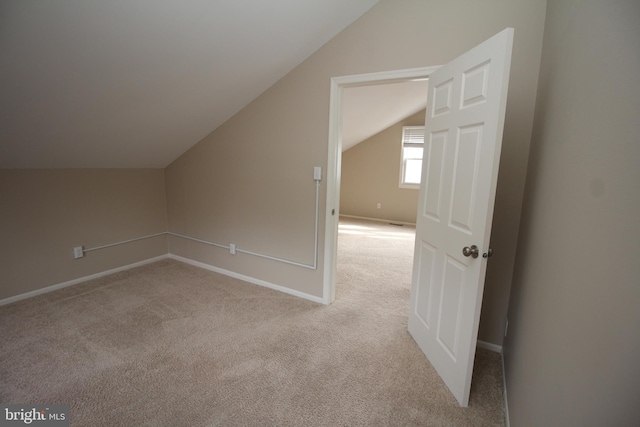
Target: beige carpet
(169, 344)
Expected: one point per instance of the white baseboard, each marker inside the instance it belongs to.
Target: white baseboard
(489, 346)
(248, 279)
(504, 387)
(79, 280)
(378, 219)
(161, 257)
(498, 349)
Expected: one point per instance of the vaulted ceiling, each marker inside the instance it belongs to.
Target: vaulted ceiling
(120, 84)
(367, 110)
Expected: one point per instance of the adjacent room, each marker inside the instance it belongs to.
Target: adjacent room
(207, 217)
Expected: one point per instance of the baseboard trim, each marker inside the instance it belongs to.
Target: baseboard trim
(507, 423)
(378, 219)
(489, 346)
(79, 280)
(248, 279)
(498, 349)
(229, 273)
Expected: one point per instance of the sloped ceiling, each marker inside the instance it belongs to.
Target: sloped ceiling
(124, 84)
(367, 110)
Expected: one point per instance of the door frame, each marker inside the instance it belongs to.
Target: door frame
(334, 161)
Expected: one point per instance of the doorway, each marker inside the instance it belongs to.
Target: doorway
(334, 164)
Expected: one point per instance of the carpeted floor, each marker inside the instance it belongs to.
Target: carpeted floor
(169, 344)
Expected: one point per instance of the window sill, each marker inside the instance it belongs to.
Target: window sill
(409, 186)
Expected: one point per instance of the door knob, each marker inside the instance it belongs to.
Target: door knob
(470, 251)
(488, 253)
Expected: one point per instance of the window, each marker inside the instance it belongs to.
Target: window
(412, 147)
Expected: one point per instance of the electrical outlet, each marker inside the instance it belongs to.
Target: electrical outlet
(379, 206)
(232, 248)
(78, 252)
(317, 173)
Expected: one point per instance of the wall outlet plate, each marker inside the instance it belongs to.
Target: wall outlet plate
(232, 248)
(78, 252)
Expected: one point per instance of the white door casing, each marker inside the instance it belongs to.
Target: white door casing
(334, 159)
(463, 138)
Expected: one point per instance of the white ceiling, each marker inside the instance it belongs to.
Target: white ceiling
(367, 110)
(119, 84)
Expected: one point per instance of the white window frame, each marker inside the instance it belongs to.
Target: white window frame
(412, 136)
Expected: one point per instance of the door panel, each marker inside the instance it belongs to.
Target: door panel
(465, 177)
(463, 137)
(452, 292)
(475, 85)
(428, 257)
(434, 160)
(442, 96)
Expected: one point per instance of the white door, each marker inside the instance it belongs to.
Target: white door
(463, 136)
